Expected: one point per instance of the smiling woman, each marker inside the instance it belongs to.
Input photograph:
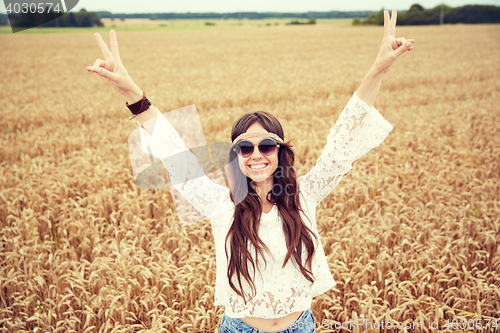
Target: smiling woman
(270, 260)
(258, 164)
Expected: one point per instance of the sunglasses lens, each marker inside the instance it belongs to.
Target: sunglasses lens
(245, 148)
(267, 146)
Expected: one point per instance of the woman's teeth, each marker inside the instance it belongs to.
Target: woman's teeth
(259, 166)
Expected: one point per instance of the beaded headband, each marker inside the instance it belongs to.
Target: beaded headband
(257, 135)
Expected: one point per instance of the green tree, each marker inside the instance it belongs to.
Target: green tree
(473, 14)
(95, 19)
(87, 19)
(416, 8)
(380, 17)
(370, 19)
(72, 20)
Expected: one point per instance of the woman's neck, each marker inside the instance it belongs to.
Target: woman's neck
(263, 188)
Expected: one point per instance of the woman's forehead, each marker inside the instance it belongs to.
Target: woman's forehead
(255, 128)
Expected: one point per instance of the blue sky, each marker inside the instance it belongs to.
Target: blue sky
(161, 6)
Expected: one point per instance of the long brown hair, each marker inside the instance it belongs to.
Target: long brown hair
(248, 209)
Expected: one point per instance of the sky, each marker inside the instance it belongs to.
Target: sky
(221, 6)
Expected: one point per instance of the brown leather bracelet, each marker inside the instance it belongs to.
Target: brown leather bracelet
(139, 106)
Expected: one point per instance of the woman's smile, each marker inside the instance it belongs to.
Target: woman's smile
(258, 167)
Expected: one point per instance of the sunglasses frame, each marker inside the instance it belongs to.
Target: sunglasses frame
(237, 148)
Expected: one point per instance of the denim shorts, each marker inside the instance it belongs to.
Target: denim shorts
(305, 324)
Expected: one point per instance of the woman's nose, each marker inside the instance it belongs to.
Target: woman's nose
(256, 155)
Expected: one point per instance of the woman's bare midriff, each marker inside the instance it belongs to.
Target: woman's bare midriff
(272, 325)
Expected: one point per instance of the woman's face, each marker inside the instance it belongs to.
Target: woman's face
(258, 167)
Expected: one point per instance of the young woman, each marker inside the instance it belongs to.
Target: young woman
(270, 261)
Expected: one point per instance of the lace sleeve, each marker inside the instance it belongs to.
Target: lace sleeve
(358, 129)
(186, 175)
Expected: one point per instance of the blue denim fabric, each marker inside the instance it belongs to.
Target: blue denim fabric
(305, 324)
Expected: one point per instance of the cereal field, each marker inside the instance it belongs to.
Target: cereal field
(411, 233)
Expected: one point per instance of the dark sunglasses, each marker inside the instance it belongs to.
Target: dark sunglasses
(266, 147)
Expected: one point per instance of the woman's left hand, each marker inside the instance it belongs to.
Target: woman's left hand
(392, 47)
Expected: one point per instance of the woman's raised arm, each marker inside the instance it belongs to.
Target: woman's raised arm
(114, 72)
(360, 127)
(160, 139)
(390, 50)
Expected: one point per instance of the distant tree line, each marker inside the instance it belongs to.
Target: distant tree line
(312, 20)
(89, 19)
(52, 19)
(418, 15)
(236, 15)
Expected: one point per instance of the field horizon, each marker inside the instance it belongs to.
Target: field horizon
(131, 24)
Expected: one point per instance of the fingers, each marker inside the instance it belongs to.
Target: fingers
(387, 28)
(112, 56)
(400, 41)
(393, 22)
(107, 74)
(403, 42)
(104, 48)
(114, 43)
(403, 48)
(99, 63)
(97, 66)
(100, 70)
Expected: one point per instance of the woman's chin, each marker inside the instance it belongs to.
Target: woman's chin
(258, 178)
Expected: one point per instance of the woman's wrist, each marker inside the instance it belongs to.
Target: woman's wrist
(376, 72)
(133, 95)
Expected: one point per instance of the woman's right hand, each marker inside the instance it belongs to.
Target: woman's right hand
(113, 70)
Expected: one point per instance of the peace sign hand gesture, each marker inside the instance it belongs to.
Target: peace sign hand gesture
(392, 47)
(113, 70)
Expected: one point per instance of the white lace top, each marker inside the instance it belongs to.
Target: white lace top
(280, 291)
